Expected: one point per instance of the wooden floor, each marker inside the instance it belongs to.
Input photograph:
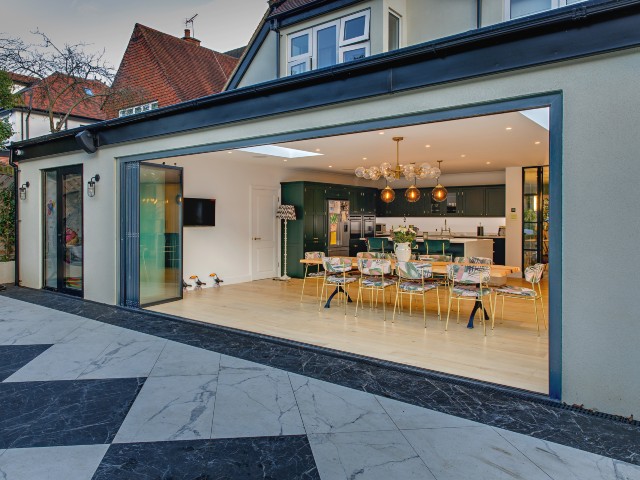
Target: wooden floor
(510, 355)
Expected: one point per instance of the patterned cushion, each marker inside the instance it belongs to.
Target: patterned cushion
(376, 267)
(533, 273)
(373, 255)
(469, 291)
(378, 283)
(469, 274)
(341, 280)
(313, 255)
(417, 287)
(435, 258)
(480, 260)
(336, 264)
(414, 271)
(315, 274)
(519, 291)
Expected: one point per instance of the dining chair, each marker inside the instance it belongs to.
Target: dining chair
(379, 255)
(335, 274)
(375, 277)
(469, 282)
(478, 260)
(533, 275)
(411, 282)
(314, 275)
(377, 244)
(442, 278)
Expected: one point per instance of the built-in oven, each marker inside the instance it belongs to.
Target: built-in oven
(369, 226)
(355, 221)
(381, 228)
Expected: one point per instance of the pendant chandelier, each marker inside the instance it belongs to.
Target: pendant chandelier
(392, 173)
(439, 194)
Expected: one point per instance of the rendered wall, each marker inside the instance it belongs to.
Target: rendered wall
(600, 145)
(264, 66)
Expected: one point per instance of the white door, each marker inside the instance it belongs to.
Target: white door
(264, 233)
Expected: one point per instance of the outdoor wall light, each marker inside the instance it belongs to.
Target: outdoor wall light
(91, 185)
(23, 191)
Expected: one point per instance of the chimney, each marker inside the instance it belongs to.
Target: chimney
(188, 38)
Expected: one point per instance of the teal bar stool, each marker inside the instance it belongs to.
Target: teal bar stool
(377, 245)
(437, 247)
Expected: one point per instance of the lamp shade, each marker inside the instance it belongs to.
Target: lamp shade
(387, 195)
(286, 212)
(412, 194)
(439, 194)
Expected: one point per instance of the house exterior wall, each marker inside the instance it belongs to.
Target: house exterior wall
(264, 66)
(38, 125)
(432, 19)
(599, 331)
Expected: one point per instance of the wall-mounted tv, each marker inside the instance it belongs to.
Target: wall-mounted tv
(199, 212)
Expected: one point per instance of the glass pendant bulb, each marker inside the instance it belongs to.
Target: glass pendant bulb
(439, 193)
(412, 194)
(387, 195)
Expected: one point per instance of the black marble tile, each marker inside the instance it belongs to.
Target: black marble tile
(14, 357)
(76, 412)
(518, 411)
(277, 458)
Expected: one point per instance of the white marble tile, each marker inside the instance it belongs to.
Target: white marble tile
(626, 471)
(171, 408)
(180, 359)
(367, 456)
(329, 408)
(51, 463)
(255, 404)
(477, 452)
(561, 462)
(238, 365)
(92, 332)
(34, 331)
(131, 360)
(60, 362)
(408, 416)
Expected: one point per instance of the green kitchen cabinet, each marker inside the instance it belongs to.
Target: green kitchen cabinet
(472, 199)
(495, 201)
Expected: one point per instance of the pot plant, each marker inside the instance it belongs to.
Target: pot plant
(402, 238)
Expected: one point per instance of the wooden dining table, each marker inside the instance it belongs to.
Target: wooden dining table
(439, 268)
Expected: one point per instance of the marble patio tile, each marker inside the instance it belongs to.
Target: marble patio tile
(407, 416)
(255, 404)
(477, 453)
(51, 463)
(14, 357)
(131, 360)
(180, 359)
(626, 471)
(33, 331)
(329, 408)
(171, 408)
(560, 462)
(276, 458)
(60, 362)
(367, 456)
(64, 413)
(229, 364)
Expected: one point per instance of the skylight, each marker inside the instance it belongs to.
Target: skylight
(538, 115)
(276, 151)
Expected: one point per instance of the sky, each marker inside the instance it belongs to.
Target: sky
(221, 25)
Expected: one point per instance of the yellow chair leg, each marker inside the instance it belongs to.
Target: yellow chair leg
(446, 325)
(306, 268)
(484, 323)
(321, 295)
(359, 294)
(535, 309)
(424, 308)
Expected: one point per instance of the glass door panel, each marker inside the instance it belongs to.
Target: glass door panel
(51, 230)
(535, 221)
(160, 234)
(72, 230)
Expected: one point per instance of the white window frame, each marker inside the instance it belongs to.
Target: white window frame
(314, 41)
(343, 50)
(554, 4)
(362, 38)
(145, 107)
(291, 37)
(306, 62)
(399, 17)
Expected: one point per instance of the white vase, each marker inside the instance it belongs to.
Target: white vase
(403, 251)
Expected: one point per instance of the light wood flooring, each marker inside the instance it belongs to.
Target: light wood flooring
(512, 354)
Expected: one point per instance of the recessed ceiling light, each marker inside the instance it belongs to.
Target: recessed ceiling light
(463, 155)
(317, 149)
(330, 166)
(537, 143)
(364, 158)
(285, 160)
(229, 152)
(427, 146)
(380, 133)
(509, 128)
(488, 163)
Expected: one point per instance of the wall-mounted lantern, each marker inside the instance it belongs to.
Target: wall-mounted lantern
(23, 191)
(91, 185)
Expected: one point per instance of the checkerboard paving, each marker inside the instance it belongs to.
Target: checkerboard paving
(82, 399)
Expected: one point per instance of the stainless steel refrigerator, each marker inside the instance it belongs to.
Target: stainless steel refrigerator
(339, 230)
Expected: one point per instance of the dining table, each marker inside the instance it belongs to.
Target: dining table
(498, 272)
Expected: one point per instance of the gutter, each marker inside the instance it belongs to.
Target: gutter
(16, 199)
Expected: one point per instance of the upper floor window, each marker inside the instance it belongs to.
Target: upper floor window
(520, 8)
(394, 31)
(125, 112)
(339, 41)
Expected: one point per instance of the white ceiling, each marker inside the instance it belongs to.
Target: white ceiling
(479, 144)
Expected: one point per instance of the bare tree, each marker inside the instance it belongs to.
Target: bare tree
(69, 78)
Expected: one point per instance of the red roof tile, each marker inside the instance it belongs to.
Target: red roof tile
(163, 68)
(23, 79)
(69, 92)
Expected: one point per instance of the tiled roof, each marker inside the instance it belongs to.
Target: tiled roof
(22, 79)
(163, 68)
(286, 5)
(71, 91)
(236, 52)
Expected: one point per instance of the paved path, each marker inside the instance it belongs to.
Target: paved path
(83, 399)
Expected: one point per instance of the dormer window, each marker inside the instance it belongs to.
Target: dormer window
(520, 8)
(125, 112)
(324, 45)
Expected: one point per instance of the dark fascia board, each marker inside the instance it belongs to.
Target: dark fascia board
(306, 12)
(569, 33)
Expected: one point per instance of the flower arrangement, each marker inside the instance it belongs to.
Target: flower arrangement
(403, 235)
